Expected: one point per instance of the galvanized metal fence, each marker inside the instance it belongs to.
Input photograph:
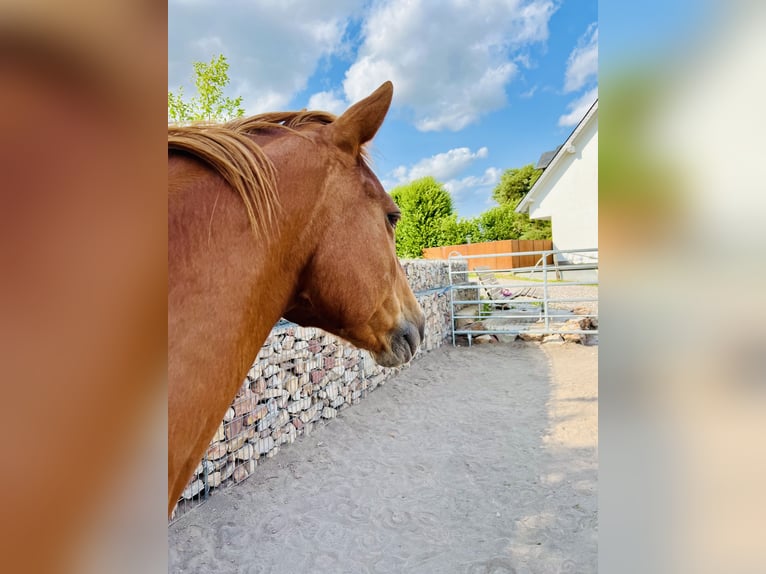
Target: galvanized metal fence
(558, 294)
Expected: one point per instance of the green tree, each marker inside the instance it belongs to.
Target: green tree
(209, 104)
(454, 231)
(515, 183)
(502, 222)
(424, 204)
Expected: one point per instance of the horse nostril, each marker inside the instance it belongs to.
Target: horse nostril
(413, 335)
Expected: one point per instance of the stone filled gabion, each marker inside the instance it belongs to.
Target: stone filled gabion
(303, 376)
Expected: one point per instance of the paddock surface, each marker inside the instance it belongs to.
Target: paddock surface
(475, 460)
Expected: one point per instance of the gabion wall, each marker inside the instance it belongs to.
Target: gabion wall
(301, 378)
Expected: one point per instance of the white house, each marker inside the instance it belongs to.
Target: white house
(567, 191)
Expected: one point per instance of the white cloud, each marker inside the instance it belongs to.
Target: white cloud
(442, 166)
(490, 177)
(529, 93)
(451, 62)
(578, 108)
(328, 102)
(582, 65)
(272, 46)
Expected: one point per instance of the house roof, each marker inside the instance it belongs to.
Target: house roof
(546, 158)
(557, 156)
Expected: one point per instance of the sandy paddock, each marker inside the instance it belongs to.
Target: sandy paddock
(473, 460)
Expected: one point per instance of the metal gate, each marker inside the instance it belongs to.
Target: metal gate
(559, 294)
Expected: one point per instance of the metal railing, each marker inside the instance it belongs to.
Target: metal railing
(559, 294)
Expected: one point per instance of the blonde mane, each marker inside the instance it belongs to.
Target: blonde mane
(228, 150)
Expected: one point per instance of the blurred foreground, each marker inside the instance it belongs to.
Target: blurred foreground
(83, 286)
(683, 243)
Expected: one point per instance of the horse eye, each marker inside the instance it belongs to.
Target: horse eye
(393, 219)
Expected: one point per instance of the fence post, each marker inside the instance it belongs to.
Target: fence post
(545, 291)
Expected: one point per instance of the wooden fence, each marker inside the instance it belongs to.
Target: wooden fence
(492, 247)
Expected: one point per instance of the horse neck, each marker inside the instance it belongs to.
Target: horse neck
(226, 290)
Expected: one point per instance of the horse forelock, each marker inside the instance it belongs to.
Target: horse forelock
(241, 162)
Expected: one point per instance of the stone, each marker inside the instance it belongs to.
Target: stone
(555, 338)
(282, 419)
(272, 393)
(308, 415)
(245, 402)
(270, 371)
(291, 385)
(230, 414)
(265, 445)
(530, 337)
(302, 345)
(216, 451)
(297, 406)
(258, 386)
(219, 464)
(574, 325)
(297, 423)
(220, 434)
(214, 479)
(240, 473)
(258, 413)
(329, 413)
(234, 444)
(276, 381)
(193, 489)
(282, 401)
(483, 339)
(227, 471)
(265, 422)
(245, 453)
(234, 427)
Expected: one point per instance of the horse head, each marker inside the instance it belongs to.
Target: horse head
(353, 284)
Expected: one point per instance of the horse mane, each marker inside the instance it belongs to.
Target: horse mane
(228, 150)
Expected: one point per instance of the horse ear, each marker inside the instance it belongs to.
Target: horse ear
(361, 122)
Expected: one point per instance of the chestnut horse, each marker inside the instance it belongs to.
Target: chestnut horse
(277, 215)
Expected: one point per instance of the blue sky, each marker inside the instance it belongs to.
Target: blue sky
(480, 85)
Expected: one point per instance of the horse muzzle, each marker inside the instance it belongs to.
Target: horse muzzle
(404, 343)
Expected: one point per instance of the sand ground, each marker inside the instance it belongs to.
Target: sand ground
(476, 460)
